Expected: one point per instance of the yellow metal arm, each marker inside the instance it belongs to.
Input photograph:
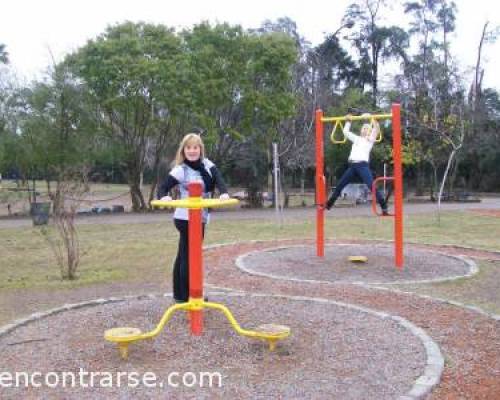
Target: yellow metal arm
(123, 337)
(357, 117)
(194, 203)
(338, 123)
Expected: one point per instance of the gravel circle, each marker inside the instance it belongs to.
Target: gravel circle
(334, 350)
(299, 262)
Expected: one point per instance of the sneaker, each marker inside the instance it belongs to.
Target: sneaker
(385, 213)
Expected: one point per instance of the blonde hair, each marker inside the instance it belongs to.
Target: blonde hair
(370, 127)
(190, 139)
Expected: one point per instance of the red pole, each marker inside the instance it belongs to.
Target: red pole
(398, 185)
(320, 187)
(195, 258)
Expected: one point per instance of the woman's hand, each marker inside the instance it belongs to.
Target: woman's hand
(166, 198)
(348, 117)
(224, 196)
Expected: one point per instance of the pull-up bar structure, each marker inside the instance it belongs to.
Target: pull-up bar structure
(395, 116)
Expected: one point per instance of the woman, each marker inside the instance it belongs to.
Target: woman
(190, 165)
(359, 159)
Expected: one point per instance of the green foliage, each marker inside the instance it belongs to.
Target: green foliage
(240, 83)
(4, 56)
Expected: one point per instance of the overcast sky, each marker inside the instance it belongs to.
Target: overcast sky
(30, 27)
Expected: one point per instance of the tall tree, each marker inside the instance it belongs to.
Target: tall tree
(373, 41)
(4, 56)
(134, 73)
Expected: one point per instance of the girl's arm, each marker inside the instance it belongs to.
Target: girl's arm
(166, 186)
(219, 182)
(375, 131)
(348, 134)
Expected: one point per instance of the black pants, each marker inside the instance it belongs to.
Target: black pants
(181, 264)
(361, 169)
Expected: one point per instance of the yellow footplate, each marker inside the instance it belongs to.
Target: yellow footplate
(272, 333)
(358, 259)
(122, 337)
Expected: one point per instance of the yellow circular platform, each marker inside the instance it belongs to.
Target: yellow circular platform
(358, 259)
(124, 334)
(274, 330)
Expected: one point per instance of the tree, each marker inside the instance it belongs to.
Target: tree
(240, 86)
(71, 189)
(4, 56)
(373, 41)
(135, 74)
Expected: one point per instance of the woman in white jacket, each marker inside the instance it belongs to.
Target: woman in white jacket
(190, 165)
(359, 160)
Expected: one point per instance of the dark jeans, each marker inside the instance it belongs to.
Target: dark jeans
(181, 264)
(361, 169)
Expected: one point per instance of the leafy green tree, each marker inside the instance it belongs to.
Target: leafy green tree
(373, 42)
(240, 86)
(135, 73)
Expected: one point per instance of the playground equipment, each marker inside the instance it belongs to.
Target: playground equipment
(397, 179)
(358, 259)
(338, 124)
(123, 337)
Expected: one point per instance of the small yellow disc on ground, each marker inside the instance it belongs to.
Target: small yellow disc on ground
(358, 259)
(125, 334)
(273, 330)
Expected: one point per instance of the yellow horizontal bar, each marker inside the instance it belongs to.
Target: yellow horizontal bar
(194, 202)
(357, 118)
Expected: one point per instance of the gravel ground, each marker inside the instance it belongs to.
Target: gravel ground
(469, 341)
(301, 262)
(333, 351)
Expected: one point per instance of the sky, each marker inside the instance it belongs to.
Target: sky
(32, 30)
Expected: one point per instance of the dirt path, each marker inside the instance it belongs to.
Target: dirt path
(488, 204)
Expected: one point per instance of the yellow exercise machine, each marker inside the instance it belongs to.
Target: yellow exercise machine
(123, 337)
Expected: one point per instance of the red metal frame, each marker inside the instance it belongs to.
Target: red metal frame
(374, 194)
(195, 258)
(398, 185)
(320, 187)
(397, 178)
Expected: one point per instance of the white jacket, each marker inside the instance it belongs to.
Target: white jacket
(361, 146)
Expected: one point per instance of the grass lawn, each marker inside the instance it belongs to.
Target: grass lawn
(142, 252)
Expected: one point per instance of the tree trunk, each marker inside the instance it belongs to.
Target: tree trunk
(443, 182)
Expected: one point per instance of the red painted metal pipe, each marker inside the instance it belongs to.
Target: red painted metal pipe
(398, 185)
(320, 187)
(195, 258)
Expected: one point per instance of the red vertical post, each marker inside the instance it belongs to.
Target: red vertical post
(398, 185)
(195, 258)
(320, 187)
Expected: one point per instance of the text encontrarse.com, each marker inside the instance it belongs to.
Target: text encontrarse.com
(89, 379)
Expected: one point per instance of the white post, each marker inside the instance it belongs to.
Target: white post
(385, 176)
(276, 168)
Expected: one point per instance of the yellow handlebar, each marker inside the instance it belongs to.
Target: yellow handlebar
(357, 117)
(194, 203)
(338, 122)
